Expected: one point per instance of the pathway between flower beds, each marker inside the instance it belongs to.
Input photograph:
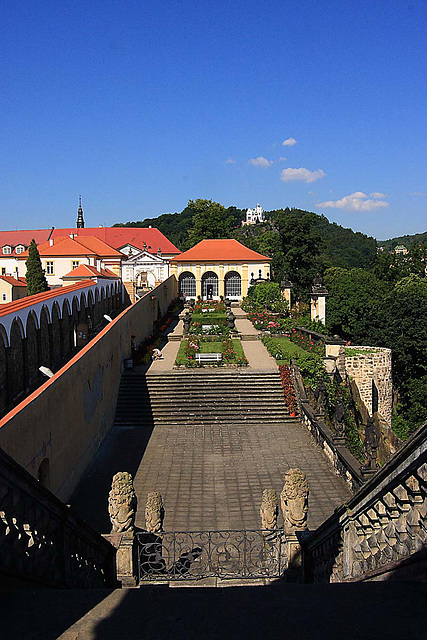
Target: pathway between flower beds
(255, 352)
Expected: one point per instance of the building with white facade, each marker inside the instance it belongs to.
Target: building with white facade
(254, 215)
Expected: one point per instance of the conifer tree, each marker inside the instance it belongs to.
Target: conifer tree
(36, 281)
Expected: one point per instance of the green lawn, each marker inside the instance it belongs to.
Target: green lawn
(209, 347)
(285, 347)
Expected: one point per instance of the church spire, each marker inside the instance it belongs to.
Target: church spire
(80, 219)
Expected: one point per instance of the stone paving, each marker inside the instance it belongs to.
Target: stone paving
(210, 477)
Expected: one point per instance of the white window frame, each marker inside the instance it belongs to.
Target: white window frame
(19, 249)
(48, 266)
(75, 264)
(7, 250)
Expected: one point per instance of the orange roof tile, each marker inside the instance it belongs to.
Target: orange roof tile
(20, 282)
(83, 271)
(220, 251)
(17, 305)
(100, 247)
(118, 237)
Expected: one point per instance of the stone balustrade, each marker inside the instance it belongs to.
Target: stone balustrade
(343, 462)
(45, 543)
(381, 533)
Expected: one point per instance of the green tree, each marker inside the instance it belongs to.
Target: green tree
(211, 220)
(353, 296)
(267, 294)
(301, 245)
(36, 281)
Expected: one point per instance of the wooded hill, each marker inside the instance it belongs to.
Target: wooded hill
(340, 246)
(408, 241)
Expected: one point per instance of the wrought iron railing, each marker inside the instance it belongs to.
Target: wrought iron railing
(193, 555)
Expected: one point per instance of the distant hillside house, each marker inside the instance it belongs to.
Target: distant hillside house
(12, 289)
(254, 215)
(400, 249)
(214, 268)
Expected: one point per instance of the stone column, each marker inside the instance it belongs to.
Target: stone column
(221, 290)
(198, 280)
(318, 300)
(244, 280)
(286, 286)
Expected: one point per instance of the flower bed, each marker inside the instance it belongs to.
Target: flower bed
(231, 351)
(307, 343)
(203, 306)
(288, 389)
(282, 349)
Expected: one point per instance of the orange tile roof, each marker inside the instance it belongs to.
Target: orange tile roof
(20, 282)
(88, 271)
(17, 305)
(24, 237)
(220, 251)
(118, 237)
(100, 247)
(83, 271)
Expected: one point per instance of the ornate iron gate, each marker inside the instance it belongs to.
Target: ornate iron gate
(193, 555)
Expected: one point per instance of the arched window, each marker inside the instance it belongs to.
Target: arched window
(233, 285)
(209, 285)
(187, 284)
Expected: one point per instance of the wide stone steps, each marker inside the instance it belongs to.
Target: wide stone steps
(196, 398)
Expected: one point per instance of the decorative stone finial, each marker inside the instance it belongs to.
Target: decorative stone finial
(122, 503)
(269, 509)
(294, 501)
(154, 512)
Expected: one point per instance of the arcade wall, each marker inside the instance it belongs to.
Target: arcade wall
(56, 431)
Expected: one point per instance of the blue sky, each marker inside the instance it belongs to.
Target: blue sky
(142, 105)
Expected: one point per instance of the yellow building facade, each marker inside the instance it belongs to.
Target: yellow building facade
(215, 268)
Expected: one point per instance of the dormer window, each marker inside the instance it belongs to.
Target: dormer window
(20, 249)
(7, 249)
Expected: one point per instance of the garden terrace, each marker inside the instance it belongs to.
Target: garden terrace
(231, 351)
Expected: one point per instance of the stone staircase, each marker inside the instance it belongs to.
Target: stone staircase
(201, 397)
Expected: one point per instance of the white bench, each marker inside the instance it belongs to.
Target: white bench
(202, 358)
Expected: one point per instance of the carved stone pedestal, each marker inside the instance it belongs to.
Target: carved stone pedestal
(295, 569)
(125, 545)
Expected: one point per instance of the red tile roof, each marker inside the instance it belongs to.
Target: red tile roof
(20, 282)
(64, 246)
(24, 237)
(17, 305)
(220, 251)
(88, 271)
(118, 237)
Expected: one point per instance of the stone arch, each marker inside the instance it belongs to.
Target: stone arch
(67, 328)
(233, 285)
(3, 370)
(32, 350)
(45, 355)
(187, 284)
(74, 321)
(16, 383)
(209, 285)
(56, 356)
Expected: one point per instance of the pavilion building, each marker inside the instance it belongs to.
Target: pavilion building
(214, 268)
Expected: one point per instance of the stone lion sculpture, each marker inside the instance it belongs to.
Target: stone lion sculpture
(269, 509)
(294, 501)
(154, 512)
(122, 503)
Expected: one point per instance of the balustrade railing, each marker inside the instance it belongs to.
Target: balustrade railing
(193, 555)
(382, 530)
(45, 543)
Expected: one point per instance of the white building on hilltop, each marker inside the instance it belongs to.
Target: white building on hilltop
(254, 215)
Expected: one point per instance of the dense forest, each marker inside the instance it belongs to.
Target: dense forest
(375, 298)
(408, 241)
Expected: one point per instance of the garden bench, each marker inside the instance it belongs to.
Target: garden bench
(202, 358)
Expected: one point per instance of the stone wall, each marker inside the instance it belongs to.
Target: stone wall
(66, 419)
(370, 368)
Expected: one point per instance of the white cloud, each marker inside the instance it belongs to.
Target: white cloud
(357, 201)
(260, 162)
(230, 161)
(289, 175)
(289, 142)
(378, 195)
(281, 159)
(419, 193)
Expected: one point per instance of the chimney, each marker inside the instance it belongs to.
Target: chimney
(51, 242)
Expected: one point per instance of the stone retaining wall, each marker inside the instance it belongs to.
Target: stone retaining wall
(371, 371)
